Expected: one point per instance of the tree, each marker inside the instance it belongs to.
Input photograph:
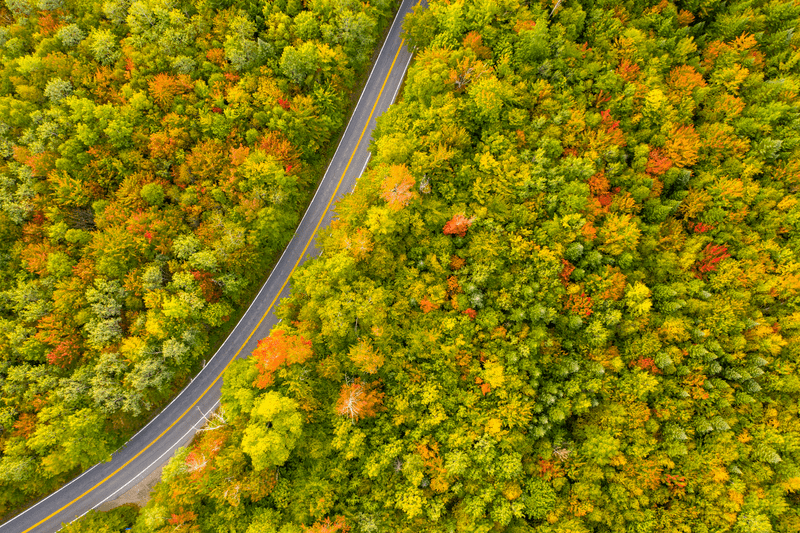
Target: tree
(104, 46)
(272, 433)
(300, 63)
(458, 225)
(366, 357)
(71, 441)
(358, 400)
(276, 351)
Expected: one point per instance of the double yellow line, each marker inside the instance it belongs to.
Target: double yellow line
(297, 263)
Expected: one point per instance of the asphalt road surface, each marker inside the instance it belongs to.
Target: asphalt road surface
(177, 423)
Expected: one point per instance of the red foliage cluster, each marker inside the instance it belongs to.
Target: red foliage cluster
(702, 228)
(712, 255)
(608, 122)
(284, 103)
(64, 354)
(646, 363)
(326, 526)
(675, 482)
(471, 313)
(212, 292)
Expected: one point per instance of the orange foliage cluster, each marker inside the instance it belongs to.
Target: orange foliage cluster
(566, 272)
(456, 262)
(358, 400)
(628, 71)
(685, 17)
(694, 383)
(25, 425)
(34, 256)
(471, 313)
(48, 22)
(617, 280)
(164, 87)
(239, 155)
(434, 463)
(361, 244)
(458, 225)
(474, 42)
(600, 198)
(275, 351)
(682, 146)
(685, 79)
(182, 517)
(427, 306)
(276, 144)
(397, 187)
(550, 469)
(452, 285)
(657, 162)
(204, 450)
(598, 184)
(524, 25)
(217, 56)
(589, 231)
(64, 354)
(40, 164)
(580, 304)
(366, 357)
(485, 387)
(646, 363)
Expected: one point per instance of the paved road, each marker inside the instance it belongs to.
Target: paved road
(176, 424)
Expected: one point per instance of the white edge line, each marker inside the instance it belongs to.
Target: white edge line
(53, 494)
(160, 458)
(355, 109)
(355, 182)
(377, 61)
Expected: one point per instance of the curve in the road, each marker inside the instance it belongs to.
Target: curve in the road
(178, 418)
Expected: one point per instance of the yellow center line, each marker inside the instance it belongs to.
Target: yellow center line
(297, 263)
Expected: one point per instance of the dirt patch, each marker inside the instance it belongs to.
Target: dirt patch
(139, 494)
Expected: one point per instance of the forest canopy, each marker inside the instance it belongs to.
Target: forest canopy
(562, 299)
(155, 155)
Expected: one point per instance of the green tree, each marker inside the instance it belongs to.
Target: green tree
(272, 433)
